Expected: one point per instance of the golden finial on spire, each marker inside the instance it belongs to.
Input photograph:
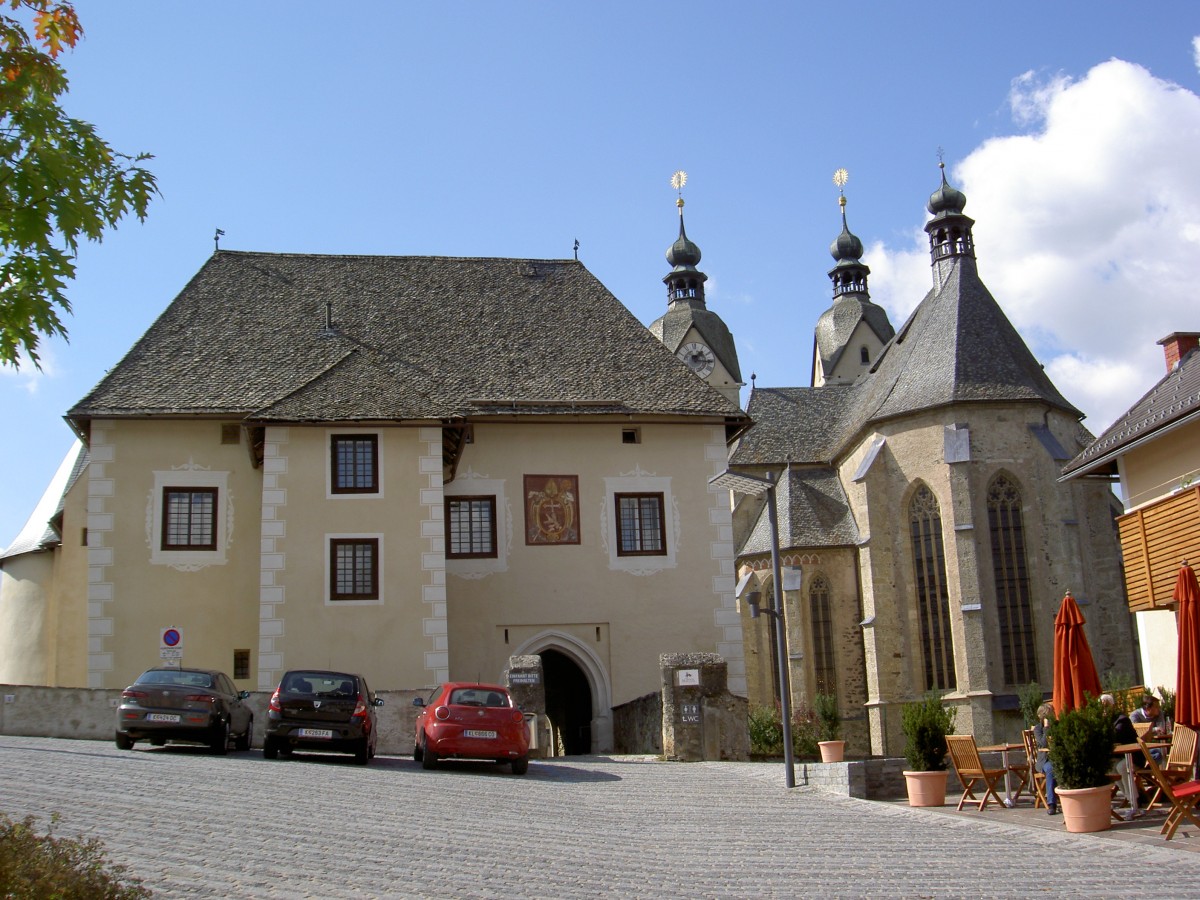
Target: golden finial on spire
(678, 180)
(840, 177)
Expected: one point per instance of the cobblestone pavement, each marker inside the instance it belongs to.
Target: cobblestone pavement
(194, 825)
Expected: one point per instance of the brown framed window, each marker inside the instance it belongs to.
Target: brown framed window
(241, 663)
(641, 527)
(470, 527)
(189, 520)
(354, 463)
(354, 568)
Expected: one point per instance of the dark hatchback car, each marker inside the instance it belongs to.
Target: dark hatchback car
(313, 709)
(196, 706)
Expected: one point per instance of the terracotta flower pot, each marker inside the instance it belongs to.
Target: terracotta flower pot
(832, 751)
(1086, 809)
(926, 788)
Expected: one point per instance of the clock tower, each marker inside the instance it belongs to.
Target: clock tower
(689, 329)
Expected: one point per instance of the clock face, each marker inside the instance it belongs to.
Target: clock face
(698, 358)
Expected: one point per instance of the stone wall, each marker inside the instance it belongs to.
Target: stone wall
(637, 725)
(701, 719)
(90, 714)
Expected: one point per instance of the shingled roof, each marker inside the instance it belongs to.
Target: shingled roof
(813, 512)
(413, 338)
(956, 347)
(800, 425)
(672, 327)
(1171, 402)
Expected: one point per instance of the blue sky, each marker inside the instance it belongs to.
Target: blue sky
(513, 129)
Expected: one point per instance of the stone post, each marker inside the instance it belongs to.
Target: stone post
(701, 720)
(528, 689)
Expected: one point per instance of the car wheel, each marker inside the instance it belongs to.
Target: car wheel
(219, 743)
(520, 765)
(362, 754)
(242, 741)
(428, 759)
(124, 741)
(270, 751)
(417, 752)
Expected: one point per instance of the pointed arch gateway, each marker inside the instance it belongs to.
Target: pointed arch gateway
(578, 690)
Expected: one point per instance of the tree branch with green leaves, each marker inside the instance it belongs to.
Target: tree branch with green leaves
(60, 182)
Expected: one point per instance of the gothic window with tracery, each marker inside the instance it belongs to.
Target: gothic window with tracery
(824, 672)
(1014, 607)
(933, 598)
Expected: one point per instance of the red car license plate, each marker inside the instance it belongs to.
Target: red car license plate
(161, 717)
(315, 733)
(479, 734)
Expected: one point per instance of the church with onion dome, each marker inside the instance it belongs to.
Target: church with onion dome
(924, 538)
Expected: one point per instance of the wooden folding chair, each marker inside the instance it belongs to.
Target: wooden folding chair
(1037, 778)
(1182, 797)
(1180, 763)
(1141, 728)
(964, 757)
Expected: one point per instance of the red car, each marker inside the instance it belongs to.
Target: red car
(468, 720)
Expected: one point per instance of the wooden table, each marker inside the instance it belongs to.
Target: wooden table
(1004, 750)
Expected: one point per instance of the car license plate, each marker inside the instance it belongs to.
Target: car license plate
(315, 733)
(479, 734)
(161, 717)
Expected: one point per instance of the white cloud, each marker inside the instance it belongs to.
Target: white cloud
(1088, 230)
(29, 377)
(1196, 50)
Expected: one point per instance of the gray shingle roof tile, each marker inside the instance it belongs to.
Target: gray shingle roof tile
(1176, 397)
(413, 338)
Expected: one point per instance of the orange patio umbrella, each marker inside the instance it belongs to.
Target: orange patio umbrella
(1187, 687)
(1075, 677)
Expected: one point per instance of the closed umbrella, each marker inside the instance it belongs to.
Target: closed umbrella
(1075, 677)
(1187, 687)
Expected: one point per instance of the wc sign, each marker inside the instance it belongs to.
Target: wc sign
(170, 646)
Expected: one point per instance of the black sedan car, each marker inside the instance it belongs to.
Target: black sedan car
(314, 709)
(195, 706)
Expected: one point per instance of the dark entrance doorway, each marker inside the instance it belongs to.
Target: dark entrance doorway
(568, 701)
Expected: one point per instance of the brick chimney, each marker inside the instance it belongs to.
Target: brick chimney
(1177, 345)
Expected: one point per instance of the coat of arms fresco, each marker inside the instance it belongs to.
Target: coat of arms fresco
(551, 509)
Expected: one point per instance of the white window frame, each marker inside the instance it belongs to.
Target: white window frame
(189, 476)
(469, 484)
(639, 482)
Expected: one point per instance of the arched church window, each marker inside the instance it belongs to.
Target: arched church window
(824, 671)
(864, 355)
(1011, 573)
(933, 598)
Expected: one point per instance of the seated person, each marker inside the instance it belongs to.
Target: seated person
(1125, 734)
(1151, 711)
(1041, 731)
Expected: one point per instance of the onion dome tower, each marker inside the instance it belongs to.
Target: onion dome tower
(689, 329)
(949, 231)
(850, 334)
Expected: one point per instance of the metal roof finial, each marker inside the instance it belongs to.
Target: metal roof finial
(678, 180)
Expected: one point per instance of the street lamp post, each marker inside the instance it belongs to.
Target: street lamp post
(752, 484)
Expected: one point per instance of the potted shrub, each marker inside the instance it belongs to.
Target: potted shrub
(829, 728)
(1081, 746)
(926, 724)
